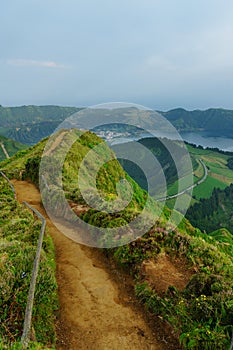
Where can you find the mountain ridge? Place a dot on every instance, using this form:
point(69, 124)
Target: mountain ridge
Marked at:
point(211, 120)
point(29, 124)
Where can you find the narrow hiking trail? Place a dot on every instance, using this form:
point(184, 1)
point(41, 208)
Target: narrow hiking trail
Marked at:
point(96, 312)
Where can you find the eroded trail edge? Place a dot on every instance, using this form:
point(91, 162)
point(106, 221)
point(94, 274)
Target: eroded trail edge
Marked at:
point(93, 311)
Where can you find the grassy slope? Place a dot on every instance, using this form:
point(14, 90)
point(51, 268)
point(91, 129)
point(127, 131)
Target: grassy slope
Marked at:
point(11, 147)
point(214, 212)
point(18, 241)
point(202, 313)
point(219, 175)
point(225, 238)
point(24, 115)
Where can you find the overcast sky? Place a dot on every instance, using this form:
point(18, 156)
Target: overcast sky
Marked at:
point(161, 54)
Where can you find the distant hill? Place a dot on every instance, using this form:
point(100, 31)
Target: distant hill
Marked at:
point(29, 124)
point(217, 121)
point(9, 147)
point(160, 147)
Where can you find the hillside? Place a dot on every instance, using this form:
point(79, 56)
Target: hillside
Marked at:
point(216, 121)
point(96, 306)
point(29, 124)
point(160, 148)
point(218, 164)
point(18, 242)
point(9, 147)
point(214, 212)
point(26, 165)
point(180, 274)
point(219, 174)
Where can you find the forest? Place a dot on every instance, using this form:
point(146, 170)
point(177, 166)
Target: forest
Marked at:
point(213, 213)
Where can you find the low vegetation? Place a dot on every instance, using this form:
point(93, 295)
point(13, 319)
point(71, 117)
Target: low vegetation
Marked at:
point(11, 147)
point(201, 312)
point(18, 241)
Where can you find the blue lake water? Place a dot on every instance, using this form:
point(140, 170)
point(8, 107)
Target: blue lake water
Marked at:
point(201, 138)
point(205, 140)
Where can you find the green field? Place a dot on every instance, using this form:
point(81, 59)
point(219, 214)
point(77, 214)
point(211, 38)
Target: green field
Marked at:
point(219, 175)
point(205, 189)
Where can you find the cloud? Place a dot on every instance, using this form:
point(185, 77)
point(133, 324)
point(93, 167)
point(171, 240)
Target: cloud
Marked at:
point(36, 63)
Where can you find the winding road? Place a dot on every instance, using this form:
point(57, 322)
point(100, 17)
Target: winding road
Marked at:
point(190, 187)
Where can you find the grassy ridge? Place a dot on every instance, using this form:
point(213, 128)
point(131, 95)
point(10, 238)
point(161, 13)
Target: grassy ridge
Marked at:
point(18, 240)
point(109, 174)
point(202, 312)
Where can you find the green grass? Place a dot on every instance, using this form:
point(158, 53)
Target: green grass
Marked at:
point(182, 204)
point(4, 345)
point(201, 313)
point(197, 151)
point(18, 242)
point(184, 183)
point(26, 165)
point(220, 170)
point(15, 166)
point(220, 176)
point(11, 147)
point(224, 239)
point(205, 189)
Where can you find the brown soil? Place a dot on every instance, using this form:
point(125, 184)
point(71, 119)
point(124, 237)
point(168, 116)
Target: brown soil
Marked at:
point(165, 272)
point(98, 310)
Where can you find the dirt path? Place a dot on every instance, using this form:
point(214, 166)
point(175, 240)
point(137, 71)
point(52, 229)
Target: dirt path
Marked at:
point(55, 142)
point(95, 313)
